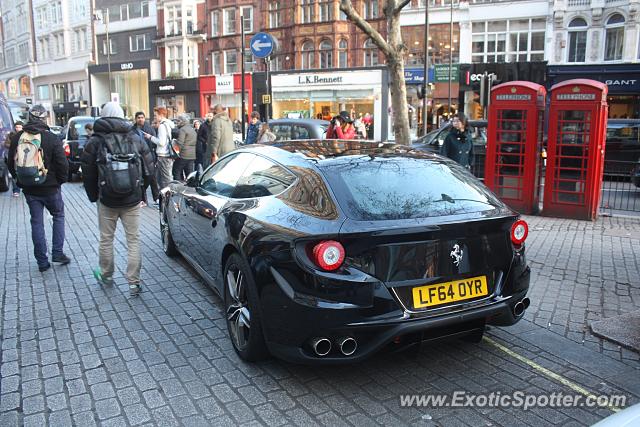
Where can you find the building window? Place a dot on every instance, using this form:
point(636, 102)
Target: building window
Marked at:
point(174, 21)
point(191, 27)
point(215, 63)
point(247, 18)
point(230, 61)
point(614, 42)
point(370, 54)
point(124, 12)
point(229, 21)
point(507, 41)
point(371, 9)
point(274, 14)
point(41, 17)
point(249, 60)
point(276, 63)
point(56, 12)
point(174, 61)
point(112, 44)
point(79, 40)
point(307, 55)
point(215, 23)
point(306, 11)
point(577, 40)
point(23, 52)
point(325, 8)
point(342, 53)
point(326, 54)
point(59, 47)
point(139, 42)
point(43, 92)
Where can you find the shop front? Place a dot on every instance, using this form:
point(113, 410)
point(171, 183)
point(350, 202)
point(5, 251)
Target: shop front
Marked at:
point(226, 90)
point(473, 92)
point(124, 82)
point(178, 96)
point(623, 81)
point(324, 94)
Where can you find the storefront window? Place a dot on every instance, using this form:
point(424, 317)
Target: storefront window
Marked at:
point(25, 86)
point(43, 92)
point(77, 90)
point(232, 101)
point(175, 104)
point(615, 38)
point(133, 88)
point(59, 93)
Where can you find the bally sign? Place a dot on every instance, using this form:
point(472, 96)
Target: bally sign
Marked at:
point(224, 84)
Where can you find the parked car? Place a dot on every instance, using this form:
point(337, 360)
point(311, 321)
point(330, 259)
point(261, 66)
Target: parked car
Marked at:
point(6, 126)
point(19, 111)
point(293, 129)
point(74, 138)
point(622, 148)
point(333, 251)
point(635, 174)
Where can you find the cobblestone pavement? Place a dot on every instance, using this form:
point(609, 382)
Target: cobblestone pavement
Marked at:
point(75, 353)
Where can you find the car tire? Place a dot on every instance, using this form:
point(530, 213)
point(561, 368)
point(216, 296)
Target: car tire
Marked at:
point(244, 322)
point(4, 182)
point(475, 336)
point(168, 245)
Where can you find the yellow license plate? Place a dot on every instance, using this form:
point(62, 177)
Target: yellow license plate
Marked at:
point(448, 292)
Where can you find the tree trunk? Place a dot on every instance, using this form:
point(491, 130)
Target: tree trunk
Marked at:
point(396, 77)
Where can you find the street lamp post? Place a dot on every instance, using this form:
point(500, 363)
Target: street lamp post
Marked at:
point(108, 51)
point(425, 101)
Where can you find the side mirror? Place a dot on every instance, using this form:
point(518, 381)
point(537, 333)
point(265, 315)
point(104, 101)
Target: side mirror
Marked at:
point(193, 179)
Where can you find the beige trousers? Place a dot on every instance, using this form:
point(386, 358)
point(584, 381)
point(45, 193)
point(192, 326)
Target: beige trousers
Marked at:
point(107, 222)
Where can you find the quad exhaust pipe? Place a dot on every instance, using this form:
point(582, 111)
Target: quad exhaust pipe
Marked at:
point(321, 346)
point(521, 306)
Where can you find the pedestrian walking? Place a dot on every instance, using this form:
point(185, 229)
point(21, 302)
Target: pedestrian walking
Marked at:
point(253, 129)
point(220, 139)
point(37, 161)
point(203, 135)
point(17, 128)
point(187, 140)
point(164, 163)
point(116, 166)
point(265, 136)
point(88, 129)
point(341, 127)
point(458, 144)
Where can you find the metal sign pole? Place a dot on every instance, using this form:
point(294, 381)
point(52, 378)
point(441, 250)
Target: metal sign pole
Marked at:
point(425, 97)
point(242, 111)
point(267, 63)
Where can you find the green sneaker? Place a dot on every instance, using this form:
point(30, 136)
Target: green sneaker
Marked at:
point(103, 281)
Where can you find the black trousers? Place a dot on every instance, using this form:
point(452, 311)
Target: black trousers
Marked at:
point(182, 168)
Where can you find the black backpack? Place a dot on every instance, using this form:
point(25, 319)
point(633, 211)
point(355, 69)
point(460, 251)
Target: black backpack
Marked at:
point(120, 177)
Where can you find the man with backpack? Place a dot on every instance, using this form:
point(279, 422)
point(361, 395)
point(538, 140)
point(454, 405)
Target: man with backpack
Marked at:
point(116, 166)
point(37, 161)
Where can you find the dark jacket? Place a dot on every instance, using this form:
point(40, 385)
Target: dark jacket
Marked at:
point(201, 146)
point(54, 160)
point(252, 133)
point(146, 128)
point(89, 158)
point(458, 146)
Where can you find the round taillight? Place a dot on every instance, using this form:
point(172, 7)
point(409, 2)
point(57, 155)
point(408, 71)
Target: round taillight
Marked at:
point(519, 232)
point(67, 149)
point(328, 255)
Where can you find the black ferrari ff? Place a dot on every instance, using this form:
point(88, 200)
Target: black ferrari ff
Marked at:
point(328, 251)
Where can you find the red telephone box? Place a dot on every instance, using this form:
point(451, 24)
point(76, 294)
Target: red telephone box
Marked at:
point(514, 144)
point(577, 134)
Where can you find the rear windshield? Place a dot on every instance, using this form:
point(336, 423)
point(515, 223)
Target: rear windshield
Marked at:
point(405, 188)
point(77, 130)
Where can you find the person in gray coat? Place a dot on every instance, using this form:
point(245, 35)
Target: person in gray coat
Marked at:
point(187, 139)
point(220, 140)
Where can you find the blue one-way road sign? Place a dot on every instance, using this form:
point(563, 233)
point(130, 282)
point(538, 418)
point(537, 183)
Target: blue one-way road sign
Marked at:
point(261, 45)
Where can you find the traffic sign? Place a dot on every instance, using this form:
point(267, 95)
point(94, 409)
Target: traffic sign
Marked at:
point(261, 45)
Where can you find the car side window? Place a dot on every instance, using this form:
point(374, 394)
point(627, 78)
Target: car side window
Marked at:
point(282, 132)
point(262, 178)
point(300, 132)
point(221, 178)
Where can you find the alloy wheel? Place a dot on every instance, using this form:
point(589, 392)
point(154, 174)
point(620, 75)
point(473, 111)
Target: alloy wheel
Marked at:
point(238, 314)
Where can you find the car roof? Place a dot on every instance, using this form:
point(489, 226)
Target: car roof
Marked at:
point(304, 152)
point(299, 121)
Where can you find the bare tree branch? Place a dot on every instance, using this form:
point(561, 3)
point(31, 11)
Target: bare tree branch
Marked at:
point(347, 7)
point(401, 6)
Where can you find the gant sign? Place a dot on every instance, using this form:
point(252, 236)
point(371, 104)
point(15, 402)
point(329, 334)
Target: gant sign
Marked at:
point(629, 82)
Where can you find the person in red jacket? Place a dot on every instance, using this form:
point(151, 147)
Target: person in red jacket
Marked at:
point(341, 127)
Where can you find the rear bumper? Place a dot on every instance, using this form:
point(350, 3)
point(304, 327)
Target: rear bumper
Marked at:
point(293, 321)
